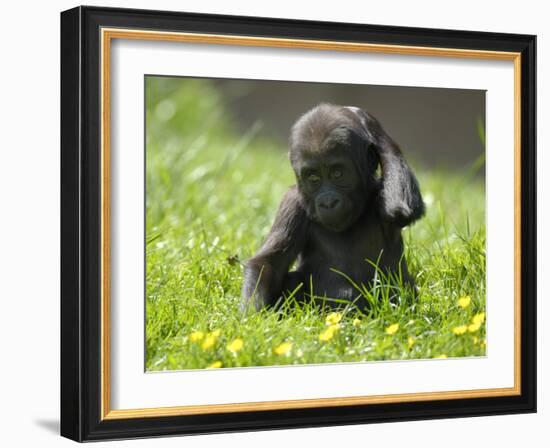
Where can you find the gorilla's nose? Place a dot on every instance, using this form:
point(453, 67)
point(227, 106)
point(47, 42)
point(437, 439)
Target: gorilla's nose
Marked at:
point(329, 203)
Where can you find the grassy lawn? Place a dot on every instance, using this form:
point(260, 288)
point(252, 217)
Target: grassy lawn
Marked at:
point(211, 197)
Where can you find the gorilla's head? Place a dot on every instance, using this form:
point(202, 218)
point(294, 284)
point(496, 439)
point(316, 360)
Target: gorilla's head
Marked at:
point(334, 158)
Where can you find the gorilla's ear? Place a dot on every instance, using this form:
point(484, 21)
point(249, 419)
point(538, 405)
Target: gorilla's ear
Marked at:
point(400, 198)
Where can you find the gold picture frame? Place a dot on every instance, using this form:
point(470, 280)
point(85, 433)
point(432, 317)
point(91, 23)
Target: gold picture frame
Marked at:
point(119, 25)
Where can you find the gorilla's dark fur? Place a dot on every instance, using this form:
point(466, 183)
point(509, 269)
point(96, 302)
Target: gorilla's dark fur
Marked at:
point(340, 214)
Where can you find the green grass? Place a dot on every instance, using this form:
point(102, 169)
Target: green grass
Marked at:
point(211, 198)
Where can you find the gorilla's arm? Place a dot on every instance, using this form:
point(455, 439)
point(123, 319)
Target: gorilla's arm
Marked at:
point(264, 274)
point(400, 199)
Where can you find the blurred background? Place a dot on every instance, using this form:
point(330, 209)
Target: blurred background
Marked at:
point(434, 126)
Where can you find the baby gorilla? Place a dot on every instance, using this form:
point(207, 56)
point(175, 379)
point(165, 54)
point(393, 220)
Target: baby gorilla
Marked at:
point(340, 215)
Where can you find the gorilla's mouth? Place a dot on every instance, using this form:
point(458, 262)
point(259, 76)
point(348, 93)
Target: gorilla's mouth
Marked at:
point(335, 222)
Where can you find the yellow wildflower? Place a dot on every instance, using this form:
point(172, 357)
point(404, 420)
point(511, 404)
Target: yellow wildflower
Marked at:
point(196, 336)
point(356, 322)
point(476, 340)
point(215, 365)
point(460, 329)
point(464, 302)
point(392, 329)
point(410, 342)
point(472, 328)
point(210, 339)
point(333, 318)
point(483, 343)
point(235, 345)
point(209, 342)
point(328, 334)
point(443, 356)
point(478, 318)
point(283, 349)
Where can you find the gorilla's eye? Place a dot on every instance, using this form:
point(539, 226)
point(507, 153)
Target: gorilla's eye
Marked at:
point(313, 178)
point(337, 174)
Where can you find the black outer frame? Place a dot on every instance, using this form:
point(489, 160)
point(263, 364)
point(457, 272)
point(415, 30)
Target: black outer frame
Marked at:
point(80, 223)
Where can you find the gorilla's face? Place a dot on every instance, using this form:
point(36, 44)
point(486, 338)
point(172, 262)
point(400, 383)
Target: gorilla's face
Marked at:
point(331, 187)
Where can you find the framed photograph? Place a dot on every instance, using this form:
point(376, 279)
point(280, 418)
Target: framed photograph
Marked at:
point(276, 224)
